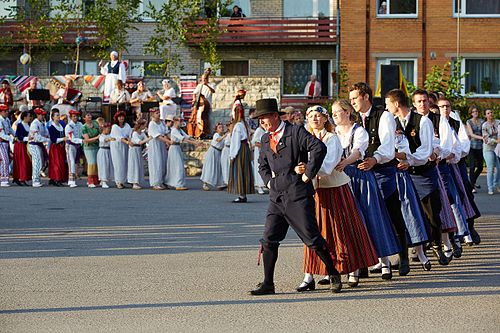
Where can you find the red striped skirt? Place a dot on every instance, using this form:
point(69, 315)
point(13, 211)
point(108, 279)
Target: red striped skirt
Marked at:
point(21, 169)
point(341, 225)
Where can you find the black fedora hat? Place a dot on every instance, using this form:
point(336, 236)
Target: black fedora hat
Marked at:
point(266, 106)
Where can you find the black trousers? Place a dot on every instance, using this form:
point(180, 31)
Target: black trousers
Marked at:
point(300, 215)
point(432, 208)
point(476, 161)
point(393, 205)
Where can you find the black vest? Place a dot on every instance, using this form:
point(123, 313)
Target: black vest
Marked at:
point(434, 118)
point(115, 69)
point(412, 133)
point(454, 124)
point(371, 126)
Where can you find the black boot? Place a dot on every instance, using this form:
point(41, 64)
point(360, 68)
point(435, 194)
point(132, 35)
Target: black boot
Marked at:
point(473, 232)
point(269, 258)
point(404, 263)
point(335, 281)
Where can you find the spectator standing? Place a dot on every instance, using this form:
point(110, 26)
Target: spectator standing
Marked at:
point(474, 130)
point(490, 137)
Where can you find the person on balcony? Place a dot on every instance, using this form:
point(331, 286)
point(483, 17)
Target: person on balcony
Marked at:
point(114, 70)
point(237, 12)
point(313, 88)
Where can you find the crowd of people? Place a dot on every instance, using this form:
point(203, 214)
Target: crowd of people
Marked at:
point(386, 182)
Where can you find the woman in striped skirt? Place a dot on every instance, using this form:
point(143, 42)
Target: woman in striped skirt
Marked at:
point(241, 180)
point(337, 213)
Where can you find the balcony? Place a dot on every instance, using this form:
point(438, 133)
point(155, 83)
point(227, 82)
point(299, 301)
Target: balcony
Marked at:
point(272, 31)
point(13, 32)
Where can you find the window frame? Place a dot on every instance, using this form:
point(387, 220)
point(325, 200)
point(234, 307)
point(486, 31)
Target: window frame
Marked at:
point(314, 72)
point(72, 64)
point(463, 14)
point(387, 61)
point(142, 68)
point(315, 10)
point(142, 9)
point(219, 72)
point(378, 2)
point(462, 71)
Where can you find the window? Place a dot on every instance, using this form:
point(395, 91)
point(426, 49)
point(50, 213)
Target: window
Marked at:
point(58, 7)
point(484, 76)
point(140, 68)
point(8, 67)
point(243, 4)
point(234, 68)
point(307, 8)
point(296, 74)
point(476, 7)
point(408, 67)
point(64, 67)
point(7, 9)
point(144, 7)
point(397, 8)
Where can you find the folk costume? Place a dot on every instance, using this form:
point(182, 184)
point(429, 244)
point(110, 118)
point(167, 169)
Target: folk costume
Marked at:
point(6, 137)
point(337, 213)
point(73, 132)
point(90, 150)
point(176, 174)
point(241, 180)
point(114, 70)
point(38, 136)
point(257, 137)
point(211, 172)
point(21, 171)
point(225, 162)
point(104, 162)
point(157, 153)
point(58, 165)
point(119, 151)
point(291, 199)
point(135, 168)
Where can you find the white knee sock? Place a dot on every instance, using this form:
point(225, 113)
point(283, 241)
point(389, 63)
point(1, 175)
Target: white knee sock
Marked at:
point(446, 241)
point(308, 277)
point(419, 249)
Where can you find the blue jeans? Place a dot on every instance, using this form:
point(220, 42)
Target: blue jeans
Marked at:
point(492, 162)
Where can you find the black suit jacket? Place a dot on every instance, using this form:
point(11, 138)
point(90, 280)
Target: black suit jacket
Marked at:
point(295, 146)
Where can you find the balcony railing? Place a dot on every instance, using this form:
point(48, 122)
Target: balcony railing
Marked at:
point(272, 30)
point(15, 33)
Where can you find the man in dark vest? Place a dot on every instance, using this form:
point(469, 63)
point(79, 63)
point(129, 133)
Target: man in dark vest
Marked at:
point(379, 157)
point(421, 164)
point(283, 147)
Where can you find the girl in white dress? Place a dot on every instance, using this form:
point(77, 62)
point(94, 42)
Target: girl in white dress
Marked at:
point(176, 174)
point(256, 138)
point(211, 174)
point(135, 169)
point(157, 151)
point(167, 105)
point(104, 163)
point(224, 158)
point(121, 132)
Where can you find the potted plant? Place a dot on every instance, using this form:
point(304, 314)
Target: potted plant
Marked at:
point(486, 85)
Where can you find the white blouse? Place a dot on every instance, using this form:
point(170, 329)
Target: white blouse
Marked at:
point(239, 134)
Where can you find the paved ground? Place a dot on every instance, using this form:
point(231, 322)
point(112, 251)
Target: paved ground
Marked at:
point(126, 261)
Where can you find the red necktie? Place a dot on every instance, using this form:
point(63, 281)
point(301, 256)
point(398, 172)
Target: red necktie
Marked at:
point(273, 142)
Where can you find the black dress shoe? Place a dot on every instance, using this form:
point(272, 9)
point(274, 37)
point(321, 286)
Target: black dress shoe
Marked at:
point(335, 283)
point(404, 267)
point(324, 281)
point(240, 200)
point(24, 183)
point(475, 236)
point(305, 286)
point(377, 270)
point(53, 183)
point(17, 182)
point(353, 280)
point(427, 265)
point(263, 289)
point(438, 253)
point(457, 250)
point(363, 273)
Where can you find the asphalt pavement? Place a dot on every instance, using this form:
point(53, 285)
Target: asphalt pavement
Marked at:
point(96, 260)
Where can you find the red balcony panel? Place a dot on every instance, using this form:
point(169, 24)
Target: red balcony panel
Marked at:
point(272, 30)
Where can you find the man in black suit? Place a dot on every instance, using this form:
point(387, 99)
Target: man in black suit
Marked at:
point(283, 147)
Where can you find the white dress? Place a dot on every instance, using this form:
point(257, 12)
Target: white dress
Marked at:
point(104, 163)
point(212, 170)
point(157, 153)
point(119, 152)
point(176, 175)
point(110, 81)
point(257, 136)
point(135, 169)
point(224, 159)
point(168, 107)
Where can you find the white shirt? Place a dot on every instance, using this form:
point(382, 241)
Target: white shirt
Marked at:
point(38, 132)
point(327, 175)
point(462, 135)
point(177, 135)
point(102, 140)
point(157, 129)
point(137, 137)
point(217, 144)
point(74, 132)
point(239, 134)
point(359, 142)
point(119, 133)
point(122, 72)
point(426, 133)
point(386, 129)
point(170, 92)
point(205, 91)
point(317, 89)
point(120, 96)
point(6, 132)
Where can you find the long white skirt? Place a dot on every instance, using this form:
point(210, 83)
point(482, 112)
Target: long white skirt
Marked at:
point(176, 175)
point(157, 162)
point(135, 169)
point(119, 156)
point(168, 109)
point(224, 162)
point(104, 165)
point(256, 176)
point(212, 170)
